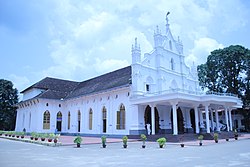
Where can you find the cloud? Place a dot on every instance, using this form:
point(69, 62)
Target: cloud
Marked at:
point(89, 39)
point(202, 48)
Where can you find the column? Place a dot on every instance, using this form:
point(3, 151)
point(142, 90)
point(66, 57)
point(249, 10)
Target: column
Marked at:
point(196, 114)
point(207, 118)
point(175, 130)
point(153, 119)
point(201, 119)
point(217, 120)
point(226, 116)
point(212, 120)
point(230, 120)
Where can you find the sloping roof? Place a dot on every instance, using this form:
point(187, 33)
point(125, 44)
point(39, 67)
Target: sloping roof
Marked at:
point(54, 84)
point(118, 78)
point(58, 88)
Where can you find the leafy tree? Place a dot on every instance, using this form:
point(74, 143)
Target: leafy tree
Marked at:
point(8, 99)
point(228, 71)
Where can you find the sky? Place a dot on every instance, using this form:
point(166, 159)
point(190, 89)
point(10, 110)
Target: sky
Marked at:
point(81, 39)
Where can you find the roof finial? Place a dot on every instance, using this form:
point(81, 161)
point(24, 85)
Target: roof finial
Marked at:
point(167, 16)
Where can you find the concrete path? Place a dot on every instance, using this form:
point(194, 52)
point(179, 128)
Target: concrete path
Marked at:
point(21, 154)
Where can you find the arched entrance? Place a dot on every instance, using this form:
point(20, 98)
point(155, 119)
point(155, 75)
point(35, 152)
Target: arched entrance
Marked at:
point(59, 121)
point(147, 119)
point(192, 117)
point(179, 121)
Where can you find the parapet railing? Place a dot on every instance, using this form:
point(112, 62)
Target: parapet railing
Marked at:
point(178, 90)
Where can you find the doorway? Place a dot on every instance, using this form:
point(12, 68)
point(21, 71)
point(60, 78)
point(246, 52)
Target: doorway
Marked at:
point(192, 117)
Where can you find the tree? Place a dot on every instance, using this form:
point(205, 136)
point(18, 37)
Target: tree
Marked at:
point(228, 71)
point(8, 99)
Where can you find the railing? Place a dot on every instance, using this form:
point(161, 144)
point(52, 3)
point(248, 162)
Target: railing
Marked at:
point(142, 93)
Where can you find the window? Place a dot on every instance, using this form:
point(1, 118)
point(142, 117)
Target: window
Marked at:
point(147, 87)
point(46, 120)
point(90, 119)
point(172, 64)
point(68, 120)
point(121, 118)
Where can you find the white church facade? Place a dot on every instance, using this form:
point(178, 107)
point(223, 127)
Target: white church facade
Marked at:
point(157, 90)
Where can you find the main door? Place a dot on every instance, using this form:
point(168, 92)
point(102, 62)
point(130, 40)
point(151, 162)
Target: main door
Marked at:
point(148, 120)
point(192, 117)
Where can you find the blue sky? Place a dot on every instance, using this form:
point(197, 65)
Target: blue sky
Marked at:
point(81, 39)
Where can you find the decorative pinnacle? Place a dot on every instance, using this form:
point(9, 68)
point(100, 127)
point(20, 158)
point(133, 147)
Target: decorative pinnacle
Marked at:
point(167, 16)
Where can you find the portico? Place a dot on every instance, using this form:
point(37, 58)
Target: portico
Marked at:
point(167, 107)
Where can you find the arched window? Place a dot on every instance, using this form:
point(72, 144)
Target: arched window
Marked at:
point(68, 120)
point(46, 120)
point(172, 64)
point(120, 118)
point(90, 119)
point(59, 121)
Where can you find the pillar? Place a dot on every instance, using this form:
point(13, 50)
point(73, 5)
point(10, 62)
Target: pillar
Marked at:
point(207, 118)
point(175, 130)
point(230, 120)
point(217, 120)
point(196, 114)
point(201, 119)
point(212, 120)
point(153, 119)
point(226, 116)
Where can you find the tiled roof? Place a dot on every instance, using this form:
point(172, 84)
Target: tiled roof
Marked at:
point(58, 88)
point(118, 78)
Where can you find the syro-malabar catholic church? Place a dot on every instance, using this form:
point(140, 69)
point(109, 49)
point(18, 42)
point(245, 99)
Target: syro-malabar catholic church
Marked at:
point(157, 93)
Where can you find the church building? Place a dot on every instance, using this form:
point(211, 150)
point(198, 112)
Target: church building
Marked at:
point(157, 94)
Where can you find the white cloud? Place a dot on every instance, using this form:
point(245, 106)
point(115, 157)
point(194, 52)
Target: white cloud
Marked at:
point(202, 48)
point(92, 38)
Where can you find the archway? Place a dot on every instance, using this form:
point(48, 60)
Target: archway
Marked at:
point(180, 120)
point(147, 119)
point(192, 117)
point(59, 121)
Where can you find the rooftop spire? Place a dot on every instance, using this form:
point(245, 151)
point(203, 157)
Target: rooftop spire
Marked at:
point(167, 24)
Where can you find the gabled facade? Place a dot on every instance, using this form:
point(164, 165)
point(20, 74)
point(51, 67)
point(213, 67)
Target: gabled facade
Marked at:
point(157, 94)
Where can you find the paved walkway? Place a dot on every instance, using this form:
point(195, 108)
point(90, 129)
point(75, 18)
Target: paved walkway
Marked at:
point(226, 154)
